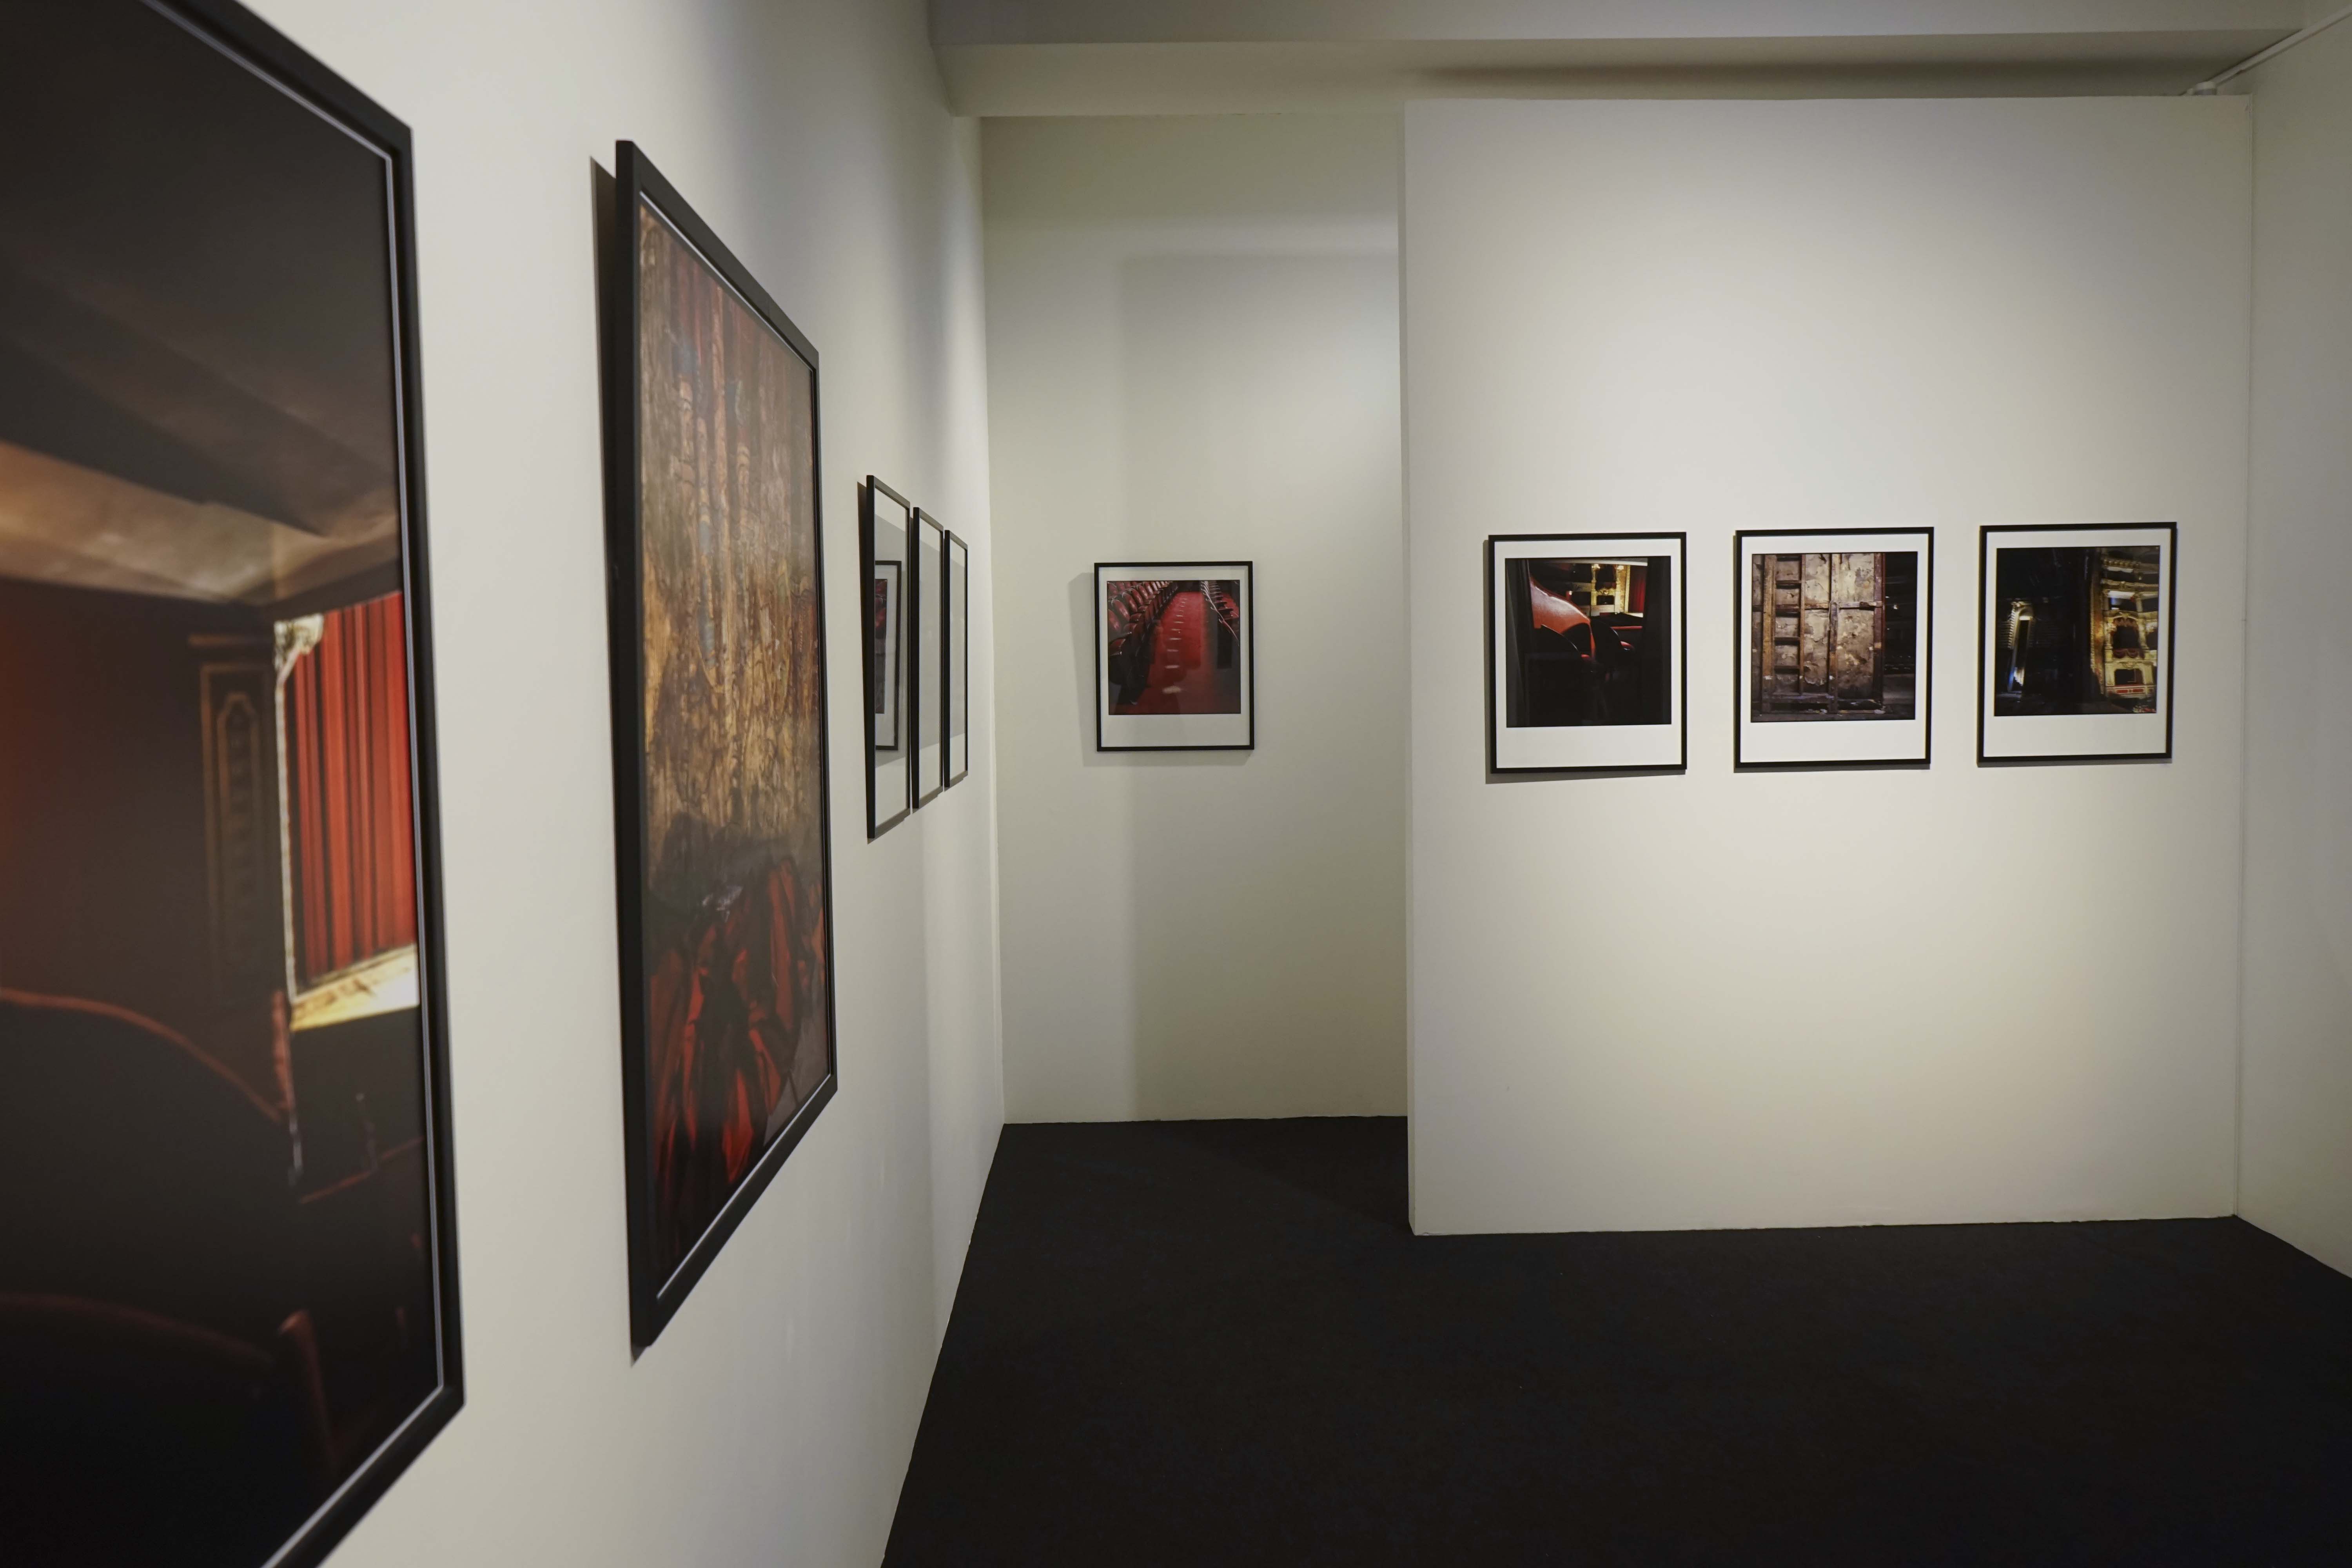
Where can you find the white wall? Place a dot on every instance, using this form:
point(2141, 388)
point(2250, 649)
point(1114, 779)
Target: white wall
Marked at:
point(1708, 1000)
point(2297, 1116)
point(771, 1422)
point(1192, 355)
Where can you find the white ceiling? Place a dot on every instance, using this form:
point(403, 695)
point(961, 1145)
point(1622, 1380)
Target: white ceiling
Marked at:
point(1177, 57)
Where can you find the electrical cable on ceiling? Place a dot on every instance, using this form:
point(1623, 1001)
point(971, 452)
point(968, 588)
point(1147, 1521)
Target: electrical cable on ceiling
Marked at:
point(2212, 84)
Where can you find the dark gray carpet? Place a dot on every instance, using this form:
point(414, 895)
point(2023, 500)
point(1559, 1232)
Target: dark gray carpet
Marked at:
point(1216, 1344)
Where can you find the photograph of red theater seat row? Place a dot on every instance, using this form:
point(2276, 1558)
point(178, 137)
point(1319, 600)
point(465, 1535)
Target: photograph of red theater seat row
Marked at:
point(1173, 646)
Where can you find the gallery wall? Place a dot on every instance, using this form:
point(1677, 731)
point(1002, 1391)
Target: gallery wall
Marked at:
point(2298, 896)
point(1709, 999)
point(1192, 355)
point(772, 1421)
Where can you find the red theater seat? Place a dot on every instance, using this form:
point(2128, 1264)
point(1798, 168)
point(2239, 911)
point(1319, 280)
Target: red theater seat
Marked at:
point(163, 1382)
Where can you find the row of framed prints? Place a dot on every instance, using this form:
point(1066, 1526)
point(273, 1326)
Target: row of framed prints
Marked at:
point(1833, 649)
point(918, 576)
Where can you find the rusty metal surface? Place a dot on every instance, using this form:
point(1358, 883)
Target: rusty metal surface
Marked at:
point(1820, 645)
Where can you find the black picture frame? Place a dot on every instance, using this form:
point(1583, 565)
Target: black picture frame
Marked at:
point(1926, 594)
point(929, 593)
point(2168, 621)
point(884, 812)
point(655, 1292)
point(956, 646)
point(243, 39)
point(1247, 631)
point(1678, 608)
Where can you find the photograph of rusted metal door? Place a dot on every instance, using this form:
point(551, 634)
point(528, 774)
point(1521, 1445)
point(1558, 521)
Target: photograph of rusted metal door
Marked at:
point(1823, 651)
point(1830, 636)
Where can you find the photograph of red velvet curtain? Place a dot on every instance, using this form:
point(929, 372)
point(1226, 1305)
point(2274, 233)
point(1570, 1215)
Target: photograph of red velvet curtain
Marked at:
point(348, 792)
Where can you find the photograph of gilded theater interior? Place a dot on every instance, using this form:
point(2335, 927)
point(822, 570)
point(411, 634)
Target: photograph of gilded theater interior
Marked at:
point(223, 1294)
point(2082, 630)
point(1834, 635)
point(1584, 646)
point(1173, 646)
point(718, 723)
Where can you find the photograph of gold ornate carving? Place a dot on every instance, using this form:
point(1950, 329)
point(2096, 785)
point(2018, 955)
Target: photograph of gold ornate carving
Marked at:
point(2078, 643)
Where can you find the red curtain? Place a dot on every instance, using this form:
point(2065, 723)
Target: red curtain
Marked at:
point(348, 788)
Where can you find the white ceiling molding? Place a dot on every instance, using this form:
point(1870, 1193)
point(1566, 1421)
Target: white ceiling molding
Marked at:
point(1179, 57)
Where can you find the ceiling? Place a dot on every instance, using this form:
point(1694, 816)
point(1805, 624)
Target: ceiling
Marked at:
point(196, 340)
point(1194, 56)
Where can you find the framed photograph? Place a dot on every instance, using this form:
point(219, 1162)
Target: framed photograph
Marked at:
point(2075, 643)
point(886, 529)
point(1175, 664)
point(959, 651)
point(886, 673)
point(1833, 648)
point(930, 658)
point(1585, 653)
point(228, 1297)
point(716, 575)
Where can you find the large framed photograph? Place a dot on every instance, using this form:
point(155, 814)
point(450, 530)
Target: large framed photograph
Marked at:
point(959, 652)
point(1833, 648)
point(885, 531)
point(1175, 662)
point(2075, 643)
point(930, 646)
point(1585, 653)
point(228, 1293)
point(716, 573)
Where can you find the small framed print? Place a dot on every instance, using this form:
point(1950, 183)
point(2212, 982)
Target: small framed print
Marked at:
point(1833, 648)
point(1175, 669)
point(2075, 643)
point(1585, 653)
point(888, 520)
point(959, 654)
point(928, 594)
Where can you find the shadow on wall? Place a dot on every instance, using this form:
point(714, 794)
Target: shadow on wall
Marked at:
point(1259, 421)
